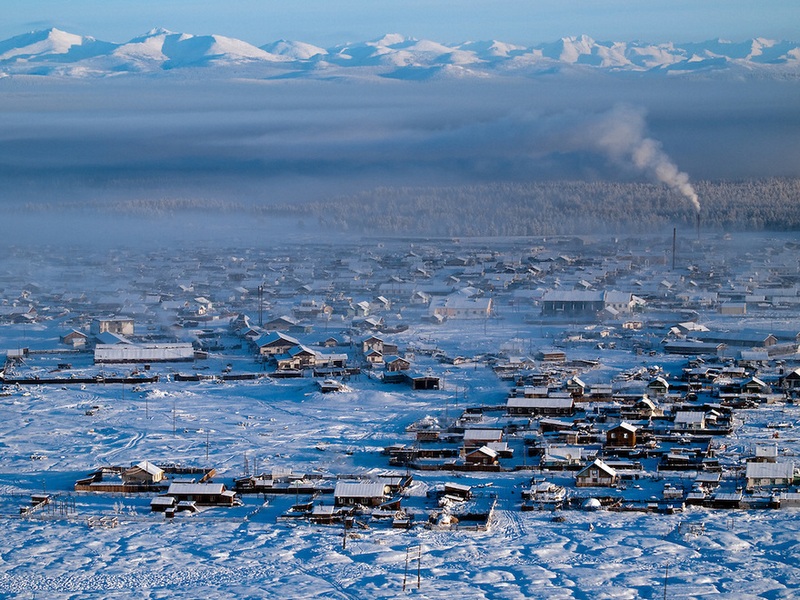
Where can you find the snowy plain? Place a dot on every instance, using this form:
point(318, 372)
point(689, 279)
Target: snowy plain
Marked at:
point(48, 441)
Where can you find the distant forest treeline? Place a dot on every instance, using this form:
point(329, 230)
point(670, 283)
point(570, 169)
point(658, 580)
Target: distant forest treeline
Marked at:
point(563, 207)
point(502, 209)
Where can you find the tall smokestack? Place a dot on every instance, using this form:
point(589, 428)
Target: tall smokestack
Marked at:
point(674, 235)
point(698, 225)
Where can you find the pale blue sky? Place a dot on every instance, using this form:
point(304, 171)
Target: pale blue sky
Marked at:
point(327, 22)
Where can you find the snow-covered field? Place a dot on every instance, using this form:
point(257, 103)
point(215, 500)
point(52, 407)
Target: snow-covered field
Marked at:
point(247, 552)
point(48, 441)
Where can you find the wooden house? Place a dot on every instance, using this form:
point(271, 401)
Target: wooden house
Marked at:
point(686, 420)
point(365, 493)
point(483, 456)
point(791, 382)
point(143, 473)
point(658, 387)
point(298, 357)
point(561, 456)
point(622, 436)
point(754, 386)
point(75, 338)
point(576, 387)
point(766, 453)
point(274, 343)
point(769, 474)
point(475, 438)
point(550, 406)
point(396, 363)
point(458, 491)
point(374, 343)
point(644, 408)
point(200, 494)
point(282, 323)
point(596, 474)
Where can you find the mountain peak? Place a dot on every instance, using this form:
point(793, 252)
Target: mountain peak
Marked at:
point(158, 31)
point(53, 51)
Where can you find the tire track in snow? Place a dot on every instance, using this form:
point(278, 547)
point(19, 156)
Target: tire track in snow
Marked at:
point(128, 445)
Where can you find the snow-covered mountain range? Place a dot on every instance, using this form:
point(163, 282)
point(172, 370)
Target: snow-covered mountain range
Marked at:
point(59, 53)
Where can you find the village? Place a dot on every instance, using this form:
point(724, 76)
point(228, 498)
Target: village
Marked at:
point(458, 378)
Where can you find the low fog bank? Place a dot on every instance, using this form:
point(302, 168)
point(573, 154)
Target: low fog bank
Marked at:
point(220, 147)
point(62, 228)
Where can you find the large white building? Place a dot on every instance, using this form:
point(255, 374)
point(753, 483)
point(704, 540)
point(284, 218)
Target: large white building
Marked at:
point(142, 353)
point(458, 306)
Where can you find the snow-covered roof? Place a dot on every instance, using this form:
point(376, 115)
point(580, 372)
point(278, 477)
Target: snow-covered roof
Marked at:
point(195, 489)
point(359, 489)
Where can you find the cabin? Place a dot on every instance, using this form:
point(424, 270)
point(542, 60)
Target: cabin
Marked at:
point(658, 387)
point(143, 473)
point(550, 406)
point(769, 474)
point(298, 357)
point(364, 493)
point(283, 323)
point(791, 382)
point(376, 344)
point(576, 387)
point(475, 438)
point(596, 474)
point(75, 338)
point(483, 456)
point(395, 364)
point(622, 436)
point(186, 495)
point(686, 420)
point(274, 343)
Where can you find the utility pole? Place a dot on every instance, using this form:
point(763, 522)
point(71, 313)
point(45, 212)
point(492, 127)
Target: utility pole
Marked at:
point(405, 574)
point(419, 566)
point(260, 305)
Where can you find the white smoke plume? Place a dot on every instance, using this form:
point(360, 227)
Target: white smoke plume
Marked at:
point(620, 133)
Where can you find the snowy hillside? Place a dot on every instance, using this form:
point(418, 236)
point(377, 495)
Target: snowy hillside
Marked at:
point(55, 52)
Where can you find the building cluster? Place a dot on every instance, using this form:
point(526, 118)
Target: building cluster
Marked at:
point(585, 321)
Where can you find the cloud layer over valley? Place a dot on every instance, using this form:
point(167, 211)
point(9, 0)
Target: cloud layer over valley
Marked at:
point(205, 136)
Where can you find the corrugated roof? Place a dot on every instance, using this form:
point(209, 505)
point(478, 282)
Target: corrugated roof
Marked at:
point(359, 489)
point(195, 489)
